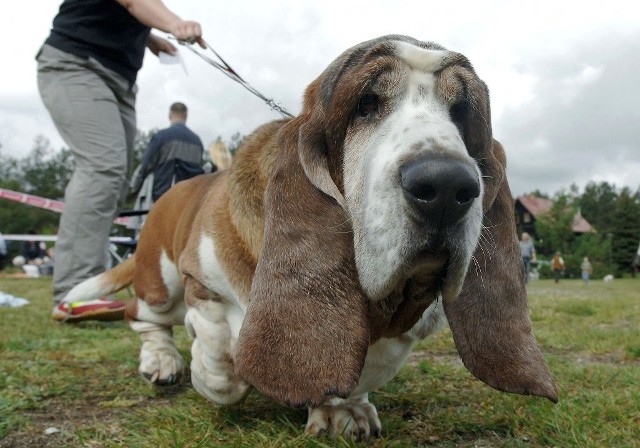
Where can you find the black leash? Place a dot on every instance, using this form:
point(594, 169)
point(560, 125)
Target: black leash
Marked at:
point(231, 73)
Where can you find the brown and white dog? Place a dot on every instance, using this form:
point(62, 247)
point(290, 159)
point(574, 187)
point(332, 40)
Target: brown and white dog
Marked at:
point(338, 239)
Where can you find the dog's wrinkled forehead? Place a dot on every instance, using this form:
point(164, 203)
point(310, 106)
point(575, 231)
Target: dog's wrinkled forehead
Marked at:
point(386, 67)
point(422, 56)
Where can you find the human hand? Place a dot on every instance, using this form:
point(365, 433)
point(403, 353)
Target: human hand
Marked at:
point(188, 31)
point(157, 44)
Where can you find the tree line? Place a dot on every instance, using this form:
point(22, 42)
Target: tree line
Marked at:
point(615, 215)
point(613, 212)
point(45, 171)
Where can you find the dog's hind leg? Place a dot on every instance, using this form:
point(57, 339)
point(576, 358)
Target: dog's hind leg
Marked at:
point(159, 306)
point(213, 323)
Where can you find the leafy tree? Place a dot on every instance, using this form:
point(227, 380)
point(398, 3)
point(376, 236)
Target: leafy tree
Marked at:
point(625, 230)
point(616, 217)
point(554, 228)
point(597, 204)
point(538, 194)
point(597, 247)
point(9, 173)
point(46, 172)
point(43, 173)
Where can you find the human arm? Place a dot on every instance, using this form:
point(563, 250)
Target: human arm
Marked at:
point(155, 14)
point(147, 164)
point(136, 181)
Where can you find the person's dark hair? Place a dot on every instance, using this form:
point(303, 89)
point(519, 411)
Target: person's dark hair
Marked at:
point(178, 108)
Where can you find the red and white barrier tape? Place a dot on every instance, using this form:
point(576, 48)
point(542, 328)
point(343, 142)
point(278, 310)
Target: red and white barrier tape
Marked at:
point(40, 202)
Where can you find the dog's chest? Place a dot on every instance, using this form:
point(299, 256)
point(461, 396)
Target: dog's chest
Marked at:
point(212, 274)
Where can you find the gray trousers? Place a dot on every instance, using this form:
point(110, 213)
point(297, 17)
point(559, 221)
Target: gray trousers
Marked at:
point(93, 109)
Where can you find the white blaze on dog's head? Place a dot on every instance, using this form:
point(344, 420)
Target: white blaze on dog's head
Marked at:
point(421, 59)
point(413, 122)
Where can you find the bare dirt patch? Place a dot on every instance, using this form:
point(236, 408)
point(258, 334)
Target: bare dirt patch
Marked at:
point(69, 417)
point(65, 417)
point(418, 356)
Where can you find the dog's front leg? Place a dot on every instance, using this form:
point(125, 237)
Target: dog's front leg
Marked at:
point(210, 322)
point(354, 418)
point(160, 362)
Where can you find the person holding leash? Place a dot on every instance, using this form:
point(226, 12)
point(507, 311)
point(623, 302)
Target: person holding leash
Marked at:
point(87, 71)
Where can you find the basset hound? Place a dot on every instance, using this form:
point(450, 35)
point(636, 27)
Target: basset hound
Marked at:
point(335, 241)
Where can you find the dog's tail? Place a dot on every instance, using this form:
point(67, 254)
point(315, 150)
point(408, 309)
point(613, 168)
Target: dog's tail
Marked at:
point(108, 282)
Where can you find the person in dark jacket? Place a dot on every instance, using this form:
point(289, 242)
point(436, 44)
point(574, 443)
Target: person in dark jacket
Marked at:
point(87, 70)
point(174, 154)
point(32, 250)
point(4, 253)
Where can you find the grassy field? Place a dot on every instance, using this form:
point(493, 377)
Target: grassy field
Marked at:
point(83, 381)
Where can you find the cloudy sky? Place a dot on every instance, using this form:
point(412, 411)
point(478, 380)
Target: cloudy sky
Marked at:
point(563, 75)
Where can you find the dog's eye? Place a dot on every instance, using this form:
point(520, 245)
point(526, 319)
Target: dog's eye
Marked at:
point(368, 105)
point(459, 114)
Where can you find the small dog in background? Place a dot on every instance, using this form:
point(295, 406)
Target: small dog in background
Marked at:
point(608, 278)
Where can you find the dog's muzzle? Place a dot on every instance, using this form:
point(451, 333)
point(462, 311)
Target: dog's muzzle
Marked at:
point(441, 189)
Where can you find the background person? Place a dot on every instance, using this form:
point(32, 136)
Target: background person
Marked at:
point(3, 252)
point(586, 269)
point(173, 154)
point(528, 252)
point(33, 251)
point(87, 71)
point(557, 266)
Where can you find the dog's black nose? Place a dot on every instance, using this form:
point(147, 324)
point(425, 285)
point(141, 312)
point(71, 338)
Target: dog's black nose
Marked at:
point(441, 188)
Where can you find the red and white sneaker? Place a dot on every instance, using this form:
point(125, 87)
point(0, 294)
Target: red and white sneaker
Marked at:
point(99, 309)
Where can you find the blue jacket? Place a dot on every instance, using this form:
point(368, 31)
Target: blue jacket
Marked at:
point(174, 154)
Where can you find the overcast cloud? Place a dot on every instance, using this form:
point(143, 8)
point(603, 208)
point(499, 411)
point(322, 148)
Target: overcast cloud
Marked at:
point(563, 76)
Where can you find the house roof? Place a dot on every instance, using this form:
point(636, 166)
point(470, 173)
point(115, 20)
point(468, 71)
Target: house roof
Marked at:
point(534, 205)
point(538, 206)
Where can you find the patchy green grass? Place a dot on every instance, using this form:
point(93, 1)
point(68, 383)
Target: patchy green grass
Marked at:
point(83, 380)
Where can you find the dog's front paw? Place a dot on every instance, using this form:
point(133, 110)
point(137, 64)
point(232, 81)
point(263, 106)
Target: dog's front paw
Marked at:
point(214, 379)
point(212, 369)
point(160, 362)
point(355, 419)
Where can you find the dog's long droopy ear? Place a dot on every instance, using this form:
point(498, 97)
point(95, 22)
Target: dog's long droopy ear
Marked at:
point(490, 319)
point(305, 335)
